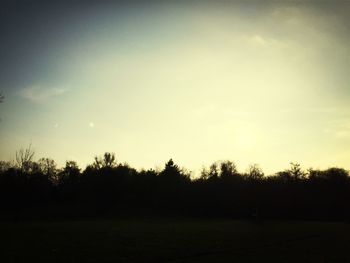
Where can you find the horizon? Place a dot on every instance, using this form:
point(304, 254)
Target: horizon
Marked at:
point(193, 174)
point(246, 81)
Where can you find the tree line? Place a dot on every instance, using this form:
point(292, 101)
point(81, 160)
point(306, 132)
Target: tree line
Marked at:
point(38, 189)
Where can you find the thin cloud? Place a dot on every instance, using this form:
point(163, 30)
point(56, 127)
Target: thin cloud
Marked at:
point(39, 94)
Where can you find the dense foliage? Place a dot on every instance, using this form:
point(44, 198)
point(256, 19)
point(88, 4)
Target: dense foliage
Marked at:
point(107, 188)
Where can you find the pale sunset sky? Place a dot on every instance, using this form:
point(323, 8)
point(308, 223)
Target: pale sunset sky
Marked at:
point(264, 82)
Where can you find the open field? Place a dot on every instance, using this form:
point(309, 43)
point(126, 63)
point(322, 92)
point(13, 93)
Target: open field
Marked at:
point(174, 240)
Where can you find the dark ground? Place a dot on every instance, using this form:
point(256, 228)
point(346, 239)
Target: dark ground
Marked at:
point(174, 240)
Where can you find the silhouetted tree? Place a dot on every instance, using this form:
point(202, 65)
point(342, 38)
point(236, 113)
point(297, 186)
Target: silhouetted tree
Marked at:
point(254, 172)
point(24, 158)
point(296, 172)
point(211, 174)
point(4, 166)
point(172, 172)
point(228, 170)
point(69, 180)
point(48, 168)
point(171, 169)
point(107, 161)
point(331, 174)
point(110, 187)
point(71, 169)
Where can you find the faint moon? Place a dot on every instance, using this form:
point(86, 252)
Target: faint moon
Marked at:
point(91, 124)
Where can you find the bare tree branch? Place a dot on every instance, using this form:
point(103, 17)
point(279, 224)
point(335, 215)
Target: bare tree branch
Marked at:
point(24, 158)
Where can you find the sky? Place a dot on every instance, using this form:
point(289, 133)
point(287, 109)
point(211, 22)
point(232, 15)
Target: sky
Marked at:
point(264, 82)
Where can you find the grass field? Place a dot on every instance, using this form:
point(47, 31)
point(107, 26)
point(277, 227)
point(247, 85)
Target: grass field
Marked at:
point(174, 240)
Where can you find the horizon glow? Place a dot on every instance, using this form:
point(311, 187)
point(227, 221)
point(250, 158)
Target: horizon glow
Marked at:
point(250, 82)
